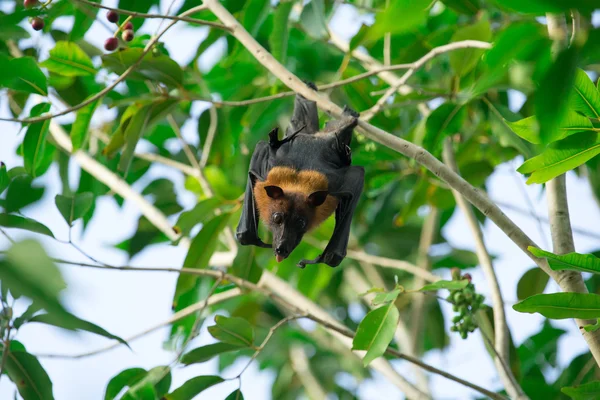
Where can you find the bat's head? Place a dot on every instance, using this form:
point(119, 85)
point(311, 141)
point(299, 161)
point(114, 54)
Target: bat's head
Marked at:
point(289, 215)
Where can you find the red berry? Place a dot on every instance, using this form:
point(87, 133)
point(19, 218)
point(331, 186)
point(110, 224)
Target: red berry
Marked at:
point(30, 3)
point(467, 277)
point(37, 23)
point(128, 26)
point(127, 35)
point(112, 16)
point(111, 43)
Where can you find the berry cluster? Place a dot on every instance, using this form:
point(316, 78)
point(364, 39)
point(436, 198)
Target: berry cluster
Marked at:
point(127, 34)
point(465, 302)
point(36, 23)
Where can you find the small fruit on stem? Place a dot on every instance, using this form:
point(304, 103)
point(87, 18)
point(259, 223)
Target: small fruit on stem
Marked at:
point(128, 25)
point(37, 23)
point(112, 16)
point(127, 35)
point(111, 44)
point(31, 3)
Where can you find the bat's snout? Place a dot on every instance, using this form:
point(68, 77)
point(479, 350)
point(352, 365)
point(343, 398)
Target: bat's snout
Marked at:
point(281, 253)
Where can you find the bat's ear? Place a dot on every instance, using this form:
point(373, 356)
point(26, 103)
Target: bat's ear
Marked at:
point(274, 192)
point(317, 198)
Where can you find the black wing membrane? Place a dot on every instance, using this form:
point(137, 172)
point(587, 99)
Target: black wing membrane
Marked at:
point(348, 194)
point(260, 165)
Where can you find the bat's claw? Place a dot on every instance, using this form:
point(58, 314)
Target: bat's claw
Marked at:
point(310, 85)
point(303, 263)
point(350, 112)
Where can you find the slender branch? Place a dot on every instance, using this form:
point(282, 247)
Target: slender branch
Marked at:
point(558, 207)
point(301, 366)
point(367, 115)
point(501, 333)
point(158, 16)
point(420, 155)
point(110, 87)
point(428, 232)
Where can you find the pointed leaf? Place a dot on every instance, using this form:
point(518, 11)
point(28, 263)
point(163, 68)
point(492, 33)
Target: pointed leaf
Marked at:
point(562, 156)
point(201, 212)
point(79, 130)
point(201, 249)
point(123, 379)
point(245, 266)
point(67, 58)
point(376, 331)
point(585, 98)
point(27, 373)
point(28, 224)
point(529, 128)
point(450, 285)
point(24, 75)
point(533, 282)
point(445, 120)
point(205, 353)
point(463, 61)
point(74, 206)
point(34, 143)
point(190, 389)
point(78, 324)
point(237, 395)
point(588, 391)
point(159, 67)
point(235, 331)
point(386, 297)
point(278, 39)
point(151, 386)
point(562, 305)
point(570, 261)
point(21, 193)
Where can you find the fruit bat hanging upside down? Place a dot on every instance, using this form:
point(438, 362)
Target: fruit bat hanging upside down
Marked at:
point(296, 183)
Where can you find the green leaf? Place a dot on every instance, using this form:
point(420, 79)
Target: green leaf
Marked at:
point(529, 128)
point(34, 143)
point(236, 395)
point(4, 178)
point(386, 297)
point(24, 75)
point(552, 96)
point(278, 39)
point(79, 130)
point(445, 120)
point(540, 7)
point(245, 266)
point(592, 327)
point(201, 212)
point(74, 206)
point(562, 305)
point(27, 373)
point(375, 332)
point(159, 67)
point(21, 193)
point(78, 324)
point(533, 282)
point(83, 20)
point(313, 19)
point(570, 261)
point(28, 224)
point(205, 353)
point(588, 391)
point(450, 285)
point(585, 98)
point(123, 379)
point(152, 385)
point(193, 387)
point(235, 331)
point(413, 12)
point(132, 135)
point(560, 157)
point(463, 61)
point(469, 7)
point(27, 270)
point(67, 58)
point(201, 249)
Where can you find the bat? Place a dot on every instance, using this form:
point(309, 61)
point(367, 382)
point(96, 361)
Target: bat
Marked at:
point(296, 183)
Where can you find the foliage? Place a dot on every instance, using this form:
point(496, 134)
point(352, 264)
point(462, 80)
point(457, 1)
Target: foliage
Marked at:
point(51, 67)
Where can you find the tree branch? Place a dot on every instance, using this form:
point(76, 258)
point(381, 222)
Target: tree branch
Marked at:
point(301, 367)
point(501, 332)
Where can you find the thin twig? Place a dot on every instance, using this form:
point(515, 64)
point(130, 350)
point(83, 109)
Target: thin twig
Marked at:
point(501, 333)
point(159, 16)
point(366, 115)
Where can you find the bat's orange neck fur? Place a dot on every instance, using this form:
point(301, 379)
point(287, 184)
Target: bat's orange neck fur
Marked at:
point(300, 184)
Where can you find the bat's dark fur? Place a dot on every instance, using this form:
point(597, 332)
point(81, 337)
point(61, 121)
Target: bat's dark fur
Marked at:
point(297, 182)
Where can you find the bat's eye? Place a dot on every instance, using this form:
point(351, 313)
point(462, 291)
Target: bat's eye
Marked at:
point(277, 218)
